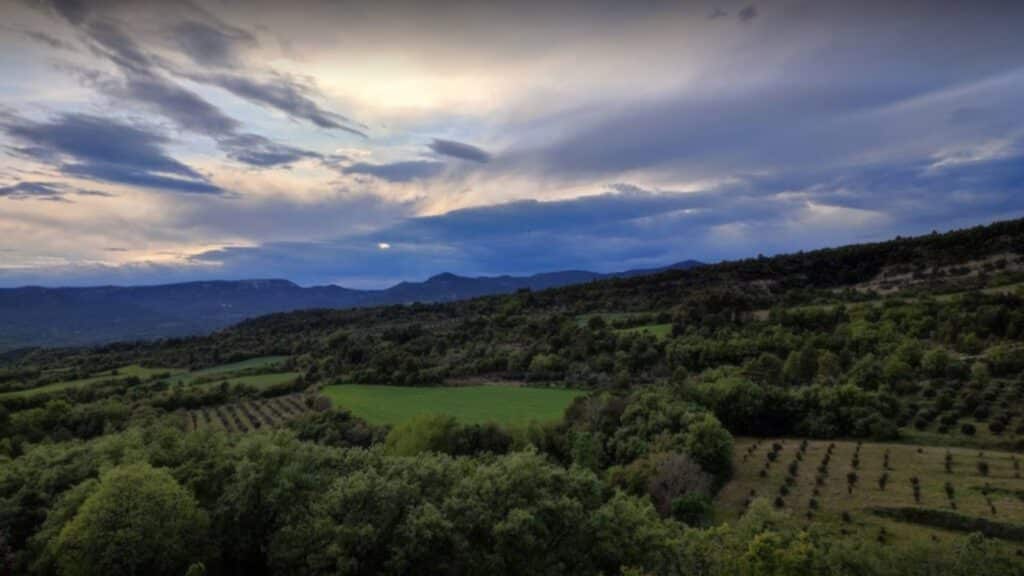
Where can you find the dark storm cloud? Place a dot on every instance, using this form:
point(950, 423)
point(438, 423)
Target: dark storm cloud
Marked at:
point(34, 190)
point(74, 11)
point(256, 150)
point(53, 191)
point(406, 171)
point(128, 175)
point(209, 45)
point(781, 130)
point(631, 226)
point(47, 39)
point(460, 150)
point(184, 107)
point(96, 140)
point(834, 84)
point(747, 14)
point(206, 45)
point(103, 149)
point(142, 84)
point(280, 93)
point(192, 113)
point(145, 81)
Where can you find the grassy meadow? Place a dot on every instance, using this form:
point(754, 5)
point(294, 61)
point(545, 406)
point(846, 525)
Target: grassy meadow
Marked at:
point(225, 371)
point(659, 331)
point(469, 404)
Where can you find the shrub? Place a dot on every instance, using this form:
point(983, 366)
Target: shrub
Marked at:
point(676, 476)
point(692, 509)
point(953, 521)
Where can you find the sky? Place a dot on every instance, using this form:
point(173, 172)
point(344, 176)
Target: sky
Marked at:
point(366, 143)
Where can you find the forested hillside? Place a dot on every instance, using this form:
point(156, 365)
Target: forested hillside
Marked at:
point(736, 418)
point(52, 317)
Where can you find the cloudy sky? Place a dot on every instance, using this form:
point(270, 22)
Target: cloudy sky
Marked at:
point(363, 143)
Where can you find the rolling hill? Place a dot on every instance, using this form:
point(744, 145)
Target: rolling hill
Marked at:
point(37, 316)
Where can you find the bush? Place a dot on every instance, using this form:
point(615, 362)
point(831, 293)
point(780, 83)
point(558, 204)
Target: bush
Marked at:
point(426, 433)
point(953, 521)
point(692, 509)
point(440, 433)
point(675, 476)
point(968, 429)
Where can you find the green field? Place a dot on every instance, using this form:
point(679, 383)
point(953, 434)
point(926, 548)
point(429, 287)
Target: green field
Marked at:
point(227, 370)
point(996, 497)
point(609, 317)
point(657, 330)
point(264, 380)
point(469, 404)
point(133, 370)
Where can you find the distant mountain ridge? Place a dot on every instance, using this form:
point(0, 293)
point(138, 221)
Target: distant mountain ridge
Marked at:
point(37, 316)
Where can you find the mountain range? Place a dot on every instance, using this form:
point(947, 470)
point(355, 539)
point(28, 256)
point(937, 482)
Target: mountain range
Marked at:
point(37, 316)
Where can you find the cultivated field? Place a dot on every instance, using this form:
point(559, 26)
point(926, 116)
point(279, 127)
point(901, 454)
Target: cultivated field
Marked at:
point(224, 371)
point(110, 375)
point(884, 489)
point(247, 415)
point(659, 331)
point(469, 404)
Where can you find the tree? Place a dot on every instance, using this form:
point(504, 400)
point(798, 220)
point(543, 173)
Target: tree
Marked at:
point(980, 374)
point(587, 450)
point(829, 367)
point(935, 362)
point(896, 370)
point(801, 366)
point(426, 433)
point(676, 475)
point(910, 351)
point(710, 444)
point(766, 369)
point(139, 520)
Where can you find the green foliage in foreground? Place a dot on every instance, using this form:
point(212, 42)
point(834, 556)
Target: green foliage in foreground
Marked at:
point(152, 500)
point(468, 404)
point(137, 520)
